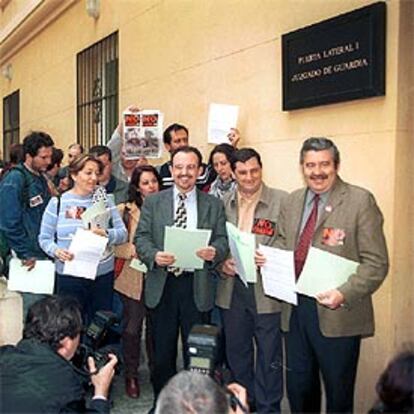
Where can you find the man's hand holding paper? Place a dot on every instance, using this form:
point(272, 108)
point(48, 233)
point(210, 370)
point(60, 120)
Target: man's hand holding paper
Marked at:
point(206, 253)
point(163, 259)
point(187, 258)
point(332, 299)
point(229, 267)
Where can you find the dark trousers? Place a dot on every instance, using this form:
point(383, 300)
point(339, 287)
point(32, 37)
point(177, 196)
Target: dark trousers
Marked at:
point(308, 353)
point(243, 326)
point(93, 295)
point(133, 316)
point(175, 312)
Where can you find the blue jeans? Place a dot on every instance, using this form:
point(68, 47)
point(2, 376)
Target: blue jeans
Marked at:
point(93, 295)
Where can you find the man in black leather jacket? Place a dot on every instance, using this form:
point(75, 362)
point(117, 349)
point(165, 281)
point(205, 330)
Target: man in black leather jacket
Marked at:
point(36, 375)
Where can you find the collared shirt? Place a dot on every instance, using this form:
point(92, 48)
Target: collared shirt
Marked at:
point(246, 207)
point(307, 208)
point(191, 206)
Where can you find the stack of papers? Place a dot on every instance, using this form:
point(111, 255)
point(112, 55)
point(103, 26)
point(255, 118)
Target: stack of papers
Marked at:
point(278, 274)
point(242, 247)
point(41, 279)
point(183, 244)
point(324, 271)
point(87, 248)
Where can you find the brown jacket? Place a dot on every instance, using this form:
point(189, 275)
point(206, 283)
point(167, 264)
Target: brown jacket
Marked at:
point(265, 228)
point(130, 281)
point(352, 211)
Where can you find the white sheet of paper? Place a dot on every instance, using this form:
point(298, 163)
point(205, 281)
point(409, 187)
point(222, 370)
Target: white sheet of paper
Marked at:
point(324, 271)
point(278, 274)
point(138, 265)
point(221, 118)
point(41, 279)
point(184, 243)
point(242, 247)
point(87, 249)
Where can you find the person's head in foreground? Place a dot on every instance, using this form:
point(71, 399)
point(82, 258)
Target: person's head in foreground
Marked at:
point(395, 387)
point(193, 393)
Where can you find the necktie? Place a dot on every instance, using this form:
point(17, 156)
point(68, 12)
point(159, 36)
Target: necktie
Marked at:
point(305, 238)
point(181, 212)
point(180, 220)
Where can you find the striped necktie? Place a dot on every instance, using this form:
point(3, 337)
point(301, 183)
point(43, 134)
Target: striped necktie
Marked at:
point(181, 212)
point(180, 220)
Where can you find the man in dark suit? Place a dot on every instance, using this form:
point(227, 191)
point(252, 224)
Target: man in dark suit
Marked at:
point(325, 332)
point(179, 298)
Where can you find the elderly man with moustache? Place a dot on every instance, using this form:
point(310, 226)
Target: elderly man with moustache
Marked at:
point(325, 331)
point(178, 298)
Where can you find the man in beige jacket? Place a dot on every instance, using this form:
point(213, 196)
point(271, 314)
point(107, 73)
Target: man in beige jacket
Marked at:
point(250, 317)
point(325, 331)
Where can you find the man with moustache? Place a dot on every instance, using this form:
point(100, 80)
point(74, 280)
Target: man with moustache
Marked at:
point(178, 298)
point(24, 195)
point(325, 332)
point(249, 316)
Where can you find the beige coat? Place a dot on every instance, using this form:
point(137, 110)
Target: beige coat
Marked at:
point(130, 281)
point(265, 229)
point(354, 212)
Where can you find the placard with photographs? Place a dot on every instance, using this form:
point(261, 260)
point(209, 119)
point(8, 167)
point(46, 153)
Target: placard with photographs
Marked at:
point(143, 134)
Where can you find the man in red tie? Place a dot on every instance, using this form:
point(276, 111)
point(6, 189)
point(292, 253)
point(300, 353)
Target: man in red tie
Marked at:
point(325, 331)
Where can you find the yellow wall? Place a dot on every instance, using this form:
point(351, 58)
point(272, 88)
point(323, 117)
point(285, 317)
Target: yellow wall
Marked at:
point(180, 55)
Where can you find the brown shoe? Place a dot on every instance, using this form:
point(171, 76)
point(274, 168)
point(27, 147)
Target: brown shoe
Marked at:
point(132, 387)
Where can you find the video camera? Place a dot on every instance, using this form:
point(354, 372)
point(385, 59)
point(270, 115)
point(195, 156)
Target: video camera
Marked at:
point(93, 342)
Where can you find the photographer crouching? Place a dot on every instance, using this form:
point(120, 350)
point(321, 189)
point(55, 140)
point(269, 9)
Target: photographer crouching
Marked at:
point(36, 375)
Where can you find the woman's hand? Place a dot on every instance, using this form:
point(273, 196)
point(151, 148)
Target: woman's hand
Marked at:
point(99, 231)
point(131, 251)
point(63, 255)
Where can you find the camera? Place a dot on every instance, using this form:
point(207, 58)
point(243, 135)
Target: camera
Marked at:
point(204, 348)
point(93, 342)
point(204, 343)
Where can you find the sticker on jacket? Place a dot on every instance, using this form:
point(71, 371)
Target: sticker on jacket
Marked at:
point(74, 212)
point(333, 237)
point(36, 201)
point(264, 227)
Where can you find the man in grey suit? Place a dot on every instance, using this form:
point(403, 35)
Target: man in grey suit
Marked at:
point(325, 332)
point(178, 298)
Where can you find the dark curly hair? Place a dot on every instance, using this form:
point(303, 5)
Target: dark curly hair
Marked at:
point(36, 140)
point(134, 195)
point(52, 319)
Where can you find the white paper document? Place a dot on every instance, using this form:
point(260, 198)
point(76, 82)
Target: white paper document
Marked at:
point(96, 216)
point(138, 265)
point(221, 118)
point(87, 249)
point(242, 247)
point(324, 271)
point(41, 279)
point(278, 274)
point(184, 243)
